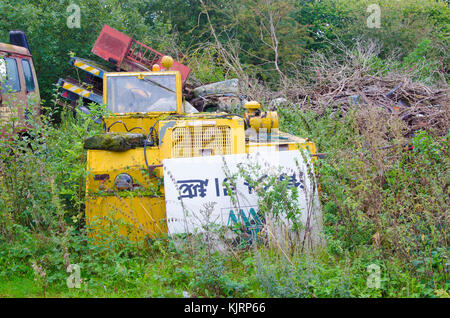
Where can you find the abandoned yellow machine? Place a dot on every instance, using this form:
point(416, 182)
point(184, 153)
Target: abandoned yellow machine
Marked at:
point(148, 125)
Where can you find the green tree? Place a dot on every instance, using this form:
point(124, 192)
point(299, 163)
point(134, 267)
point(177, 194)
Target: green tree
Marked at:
point(51, 40)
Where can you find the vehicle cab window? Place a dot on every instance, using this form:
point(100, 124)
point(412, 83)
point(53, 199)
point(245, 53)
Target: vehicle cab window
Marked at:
point(28, 74)
point(141, 94)
point(12, 81)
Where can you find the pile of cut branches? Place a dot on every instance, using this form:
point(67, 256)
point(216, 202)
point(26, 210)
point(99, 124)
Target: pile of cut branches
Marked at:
point(351, 82)
point(417, 104)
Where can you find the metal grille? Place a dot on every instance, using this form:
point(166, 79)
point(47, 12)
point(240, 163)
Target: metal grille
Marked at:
point(143, 54)
point(201, 141)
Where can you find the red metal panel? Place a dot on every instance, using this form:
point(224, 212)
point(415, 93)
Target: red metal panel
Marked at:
point(129, 54)
point(144, 55)
point(112, 45)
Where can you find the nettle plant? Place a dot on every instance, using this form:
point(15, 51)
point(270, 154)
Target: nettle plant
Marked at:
point(281, 217)
point(276, 197)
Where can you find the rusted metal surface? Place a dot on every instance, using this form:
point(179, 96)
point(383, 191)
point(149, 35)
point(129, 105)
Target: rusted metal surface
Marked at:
point(13, 49)
point(130, 55)
point(112, 45)
point(19, 101)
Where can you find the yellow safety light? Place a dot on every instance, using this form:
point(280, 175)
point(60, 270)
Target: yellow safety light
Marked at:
point(252, 105)
point(167, 61)
point(156, 68)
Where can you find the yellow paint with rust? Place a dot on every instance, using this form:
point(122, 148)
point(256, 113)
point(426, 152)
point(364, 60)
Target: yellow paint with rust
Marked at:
point(144, 207)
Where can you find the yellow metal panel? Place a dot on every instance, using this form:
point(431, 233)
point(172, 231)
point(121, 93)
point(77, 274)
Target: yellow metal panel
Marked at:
point(143, 211)
point(145, 216)
point(102, 160)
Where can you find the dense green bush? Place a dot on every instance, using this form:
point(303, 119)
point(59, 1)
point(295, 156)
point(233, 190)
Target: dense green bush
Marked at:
point(403, 24)
point(392, 199)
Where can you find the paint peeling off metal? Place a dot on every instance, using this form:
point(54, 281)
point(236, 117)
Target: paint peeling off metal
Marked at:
point(163, 129)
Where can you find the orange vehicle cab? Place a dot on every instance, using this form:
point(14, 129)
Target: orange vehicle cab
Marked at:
point(19, 90)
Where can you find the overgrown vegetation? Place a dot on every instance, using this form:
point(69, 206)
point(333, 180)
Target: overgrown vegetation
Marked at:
point(384, 183)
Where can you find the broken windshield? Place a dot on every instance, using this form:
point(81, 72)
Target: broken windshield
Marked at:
point(133, 94)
